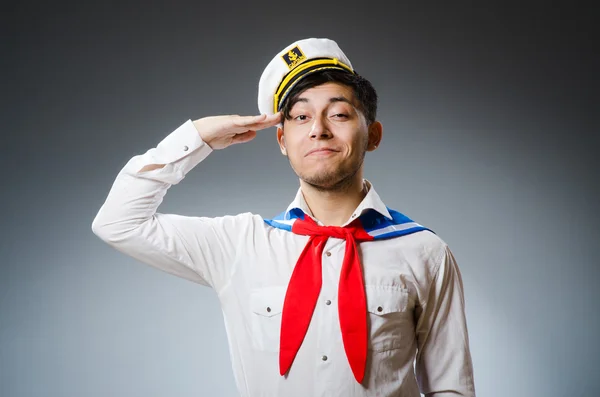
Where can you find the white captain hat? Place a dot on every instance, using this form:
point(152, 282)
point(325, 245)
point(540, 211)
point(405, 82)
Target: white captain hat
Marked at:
point(293, 63)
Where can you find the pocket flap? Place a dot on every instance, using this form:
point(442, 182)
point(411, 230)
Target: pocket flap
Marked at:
point(385, 299)
point(267, 301)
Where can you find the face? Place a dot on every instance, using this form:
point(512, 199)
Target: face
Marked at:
point(327, 136)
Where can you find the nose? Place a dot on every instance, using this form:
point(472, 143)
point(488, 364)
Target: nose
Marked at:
point(319, 129)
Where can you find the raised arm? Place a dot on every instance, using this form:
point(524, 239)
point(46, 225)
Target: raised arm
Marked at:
point(200, 249)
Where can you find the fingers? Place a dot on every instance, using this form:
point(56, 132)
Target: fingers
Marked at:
point(244, 121)
point(258, 122)
point(251, 124)
point(270, 121)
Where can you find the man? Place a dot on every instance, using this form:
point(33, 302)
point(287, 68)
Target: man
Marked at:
point(338, 295)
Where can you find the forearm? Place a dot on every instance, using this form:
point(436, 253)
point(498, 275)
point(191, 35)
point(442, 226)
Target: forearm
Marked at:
point(141, 184)
point(201, 249)
point(128, 220)
point(151, 167)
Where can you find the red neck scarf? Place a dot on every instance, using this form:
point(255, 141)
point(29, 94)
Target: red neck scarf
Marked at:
point(304, 288)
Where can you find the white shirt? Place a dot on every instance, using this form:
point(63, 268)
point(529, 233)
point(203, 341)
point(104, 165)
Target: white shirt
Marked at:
point(418, 333)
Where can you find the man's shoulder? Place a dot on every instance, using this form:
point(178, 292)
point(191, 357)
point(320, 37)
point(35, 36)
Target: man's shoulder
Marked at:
point(424, 244)
point(428, 238)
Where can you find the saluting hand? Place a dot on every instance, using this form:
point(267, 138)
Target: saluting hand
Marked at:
point(220, 132)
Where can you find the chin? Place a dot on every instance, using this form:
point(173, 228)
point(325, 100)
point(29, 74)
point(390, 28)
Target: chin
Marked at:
point(325, 180)
point(325, 176)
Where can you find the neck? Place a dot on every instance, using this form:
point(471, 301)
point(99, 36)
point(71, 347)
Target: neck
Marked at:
point(333, 207)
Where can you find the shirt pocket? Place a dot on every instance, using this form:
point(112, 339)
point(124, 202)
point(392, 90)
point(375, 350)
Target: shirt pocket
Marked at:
point(389, 317)
point(266, 305)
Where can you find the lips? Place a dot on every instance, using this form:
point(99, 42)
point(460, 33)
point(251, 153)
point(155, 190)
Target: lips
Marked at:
point(323, 150)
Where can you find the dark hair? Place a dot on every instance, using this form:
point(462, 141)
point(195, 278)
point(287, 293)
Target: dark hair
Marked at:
point(363, 91)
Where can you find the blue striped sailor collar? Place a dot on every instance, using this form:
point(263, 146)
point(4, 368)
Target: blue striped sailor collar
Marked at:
point(378, 220)
point(371, 201)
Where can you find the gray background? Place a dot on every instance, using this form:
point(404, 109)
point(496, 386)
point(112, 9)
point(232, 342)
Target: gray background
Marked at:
point(490, 120)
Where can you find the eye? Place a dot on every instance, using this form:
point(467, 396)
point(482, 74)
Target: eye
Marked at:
point(301, 117)
point(340, 115)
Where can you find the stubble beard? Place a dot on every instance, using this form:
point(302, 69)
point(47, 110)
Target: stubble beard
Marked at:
point(337, 181)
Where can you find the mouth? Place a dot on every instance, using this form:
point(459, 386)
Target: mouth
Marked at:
point(321, 152)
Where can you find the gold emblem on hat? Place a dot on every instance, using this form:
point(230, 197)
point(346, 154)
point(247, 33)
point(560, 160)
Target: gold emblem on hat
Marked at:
point(293, 57)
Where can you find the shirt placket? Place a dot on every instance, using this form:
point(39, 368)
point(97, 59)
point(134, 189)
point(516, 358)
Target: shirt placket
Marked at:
point(328, 356)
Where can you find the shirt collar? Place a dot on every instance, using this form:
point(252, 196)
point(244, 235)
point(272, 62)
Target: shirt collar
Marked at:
point(372, 201)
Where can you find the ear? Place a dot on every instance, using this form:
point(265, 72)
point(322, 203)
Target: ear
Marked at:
point(375, 135)
point(281, 141)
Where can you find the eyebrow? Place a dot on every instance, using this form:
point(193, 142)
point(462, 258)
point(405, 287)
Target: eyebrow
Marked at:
point(331, 100)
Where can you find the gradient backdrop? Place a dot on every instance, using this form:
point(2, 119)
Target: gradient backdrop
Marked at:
point(490, 119)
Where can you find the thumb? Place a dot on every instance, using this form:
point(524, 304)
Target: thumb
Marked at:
point(243, 137)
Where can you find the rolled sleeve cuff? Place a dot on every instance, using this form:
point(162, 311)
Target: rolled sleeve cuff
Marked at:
point(180, 151)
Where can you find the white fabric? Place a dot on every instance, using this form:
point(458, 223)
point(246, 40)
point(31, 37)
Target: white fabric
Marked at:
point(413, 287)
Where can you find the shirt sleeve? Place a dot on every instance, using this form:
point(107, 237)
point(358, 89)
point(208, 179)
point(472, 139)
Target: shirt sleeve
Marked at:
point(199, 249)
point(443, 364)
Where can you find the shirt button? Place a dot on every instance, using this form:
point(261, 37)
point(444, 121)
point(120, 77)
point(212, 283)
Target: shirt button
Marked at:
point(328, 253)
point(185, 148)
point(268, 310)
point(324, 358)
point(379, 309)
point(353, 215)
point(328, 302)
